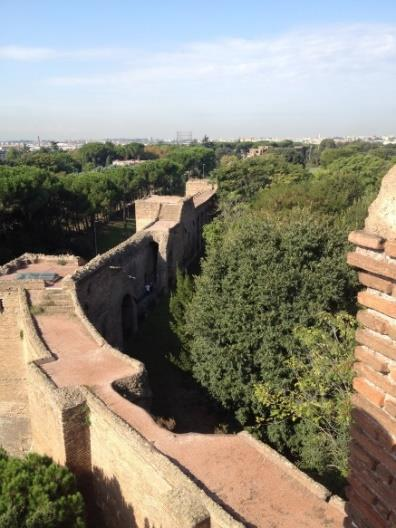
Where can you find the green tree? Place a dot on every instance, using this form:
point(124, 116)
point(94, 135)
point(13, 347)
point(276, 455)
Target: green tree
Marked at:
point(260, 279)
point(97, 153)
point(240, 180)
point(162, 176)
point(194, 160)
point(132, 150)
point(36, 493)
point(314, 409)
point(179, 301)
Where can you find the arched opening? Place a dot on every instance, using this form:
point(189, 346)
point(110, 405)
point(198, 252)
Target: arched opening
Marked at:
point(127, 318)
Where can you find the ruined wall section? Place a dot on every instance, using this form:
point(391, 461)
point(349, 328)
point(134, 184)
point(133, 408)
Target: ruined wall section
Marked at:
point(58, 416)
point(199, 185)
point(172, 239)
point(135, 485)
point(128, 480)
point(372, 477)
point(146, 213)
point(15, 430)
point(105, 281)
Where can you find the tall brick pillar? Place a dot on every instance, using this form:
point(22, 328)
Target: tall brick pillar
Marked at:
point(372, 476)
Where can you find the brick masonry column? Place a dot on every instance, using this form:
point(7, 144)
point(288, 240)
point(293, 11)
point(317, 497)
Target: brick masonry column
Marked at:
point(372, 475)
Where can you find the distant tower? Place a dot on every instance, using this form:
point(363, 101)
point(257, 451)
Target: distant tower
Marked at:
point(183, 137)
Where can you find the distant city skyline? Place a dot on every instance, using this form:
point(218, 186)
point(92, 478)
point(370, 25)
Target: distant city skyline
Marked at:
point(96, 69)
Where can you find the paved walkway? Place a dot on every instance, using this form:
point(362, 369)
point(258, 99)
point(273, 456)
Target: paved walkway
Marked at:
point(261, 491)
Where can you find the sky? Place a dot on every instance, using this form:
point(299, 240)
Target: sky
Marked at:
point(111, 69)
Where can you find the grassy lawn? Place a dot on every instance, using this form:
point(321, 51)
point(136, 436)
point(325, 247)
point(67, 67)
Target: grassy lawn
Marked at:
point(114, 233)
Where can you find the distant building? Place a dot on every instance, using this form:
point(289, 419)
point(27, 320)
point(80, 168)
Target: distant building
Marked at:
point(125, 163)
point(257, 151)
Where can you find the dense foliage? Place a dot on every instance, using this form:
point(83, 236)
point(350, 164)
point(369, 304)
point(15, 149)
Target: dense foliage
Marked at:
point(262, 277)
point(36, 493)
point(269, 327)
point(239, 180)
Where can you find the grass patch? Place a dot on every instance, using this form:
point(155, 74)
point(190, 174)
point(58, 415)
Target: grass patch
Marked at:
point(113, 233)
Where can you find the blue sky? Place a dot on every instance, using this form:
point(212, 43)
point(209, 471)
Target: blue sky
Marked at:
point(98, 69)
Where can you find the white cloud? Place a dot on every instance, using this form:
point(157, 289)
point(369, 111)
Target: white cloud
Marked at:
point(28, 54)
point(345, 50)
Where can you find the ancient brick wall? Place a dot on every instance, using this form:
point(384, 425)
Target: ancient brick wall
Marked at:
point(198, 185)
point(151, 256)
point(134, 485)
point(372, 476)
point(15, 432)
point(59, 427)
point(146, 213)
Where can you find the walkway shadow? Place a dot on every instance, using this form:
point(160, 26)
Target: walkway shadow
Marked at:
point(107, 507)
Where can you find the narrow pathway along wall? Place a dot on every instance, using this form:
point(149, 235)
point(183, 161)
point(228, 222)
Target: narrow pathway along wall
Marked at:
point(372, 476)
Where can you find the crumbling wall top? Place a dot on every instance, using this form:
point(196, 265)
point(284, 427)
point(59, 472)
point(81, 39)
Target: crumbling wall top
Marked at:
point(382, 212)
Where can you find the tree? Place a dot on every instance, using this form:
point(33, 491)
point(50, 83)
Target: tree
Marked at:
point(130, 151)
point(193, 159)
point(178, 304)
point(260, 279)
point(327, 143)
point(36, 493)
point(315, 407)
point(97, 153)
point(240, 180)
point(51, 160)
point(163, 176)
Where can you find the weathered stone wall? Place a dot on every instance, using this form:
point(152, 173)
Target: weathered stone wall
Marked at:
point(15, 433)
point(57, 416)
point(108, 279)
point(372, 476)
point(198, 185)
point(146, 213)
point(128, 480)
point(134, 485)
point(173, 239)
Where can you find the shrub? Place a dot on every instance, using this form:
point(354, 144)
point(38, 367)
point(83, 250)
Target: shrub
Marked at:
point(36, 493)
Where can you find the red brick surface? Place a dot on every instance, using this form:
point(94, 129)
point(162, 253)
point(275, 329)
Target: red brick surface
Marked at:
point(376, 342)
point(381, 381)
point(376, 322)
point(369, 391)
point(369, 263)
point(384, 425)
point(364, 239)
point(374, 360)
point(385, 305)
point(390, 248)
point(374, 281)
